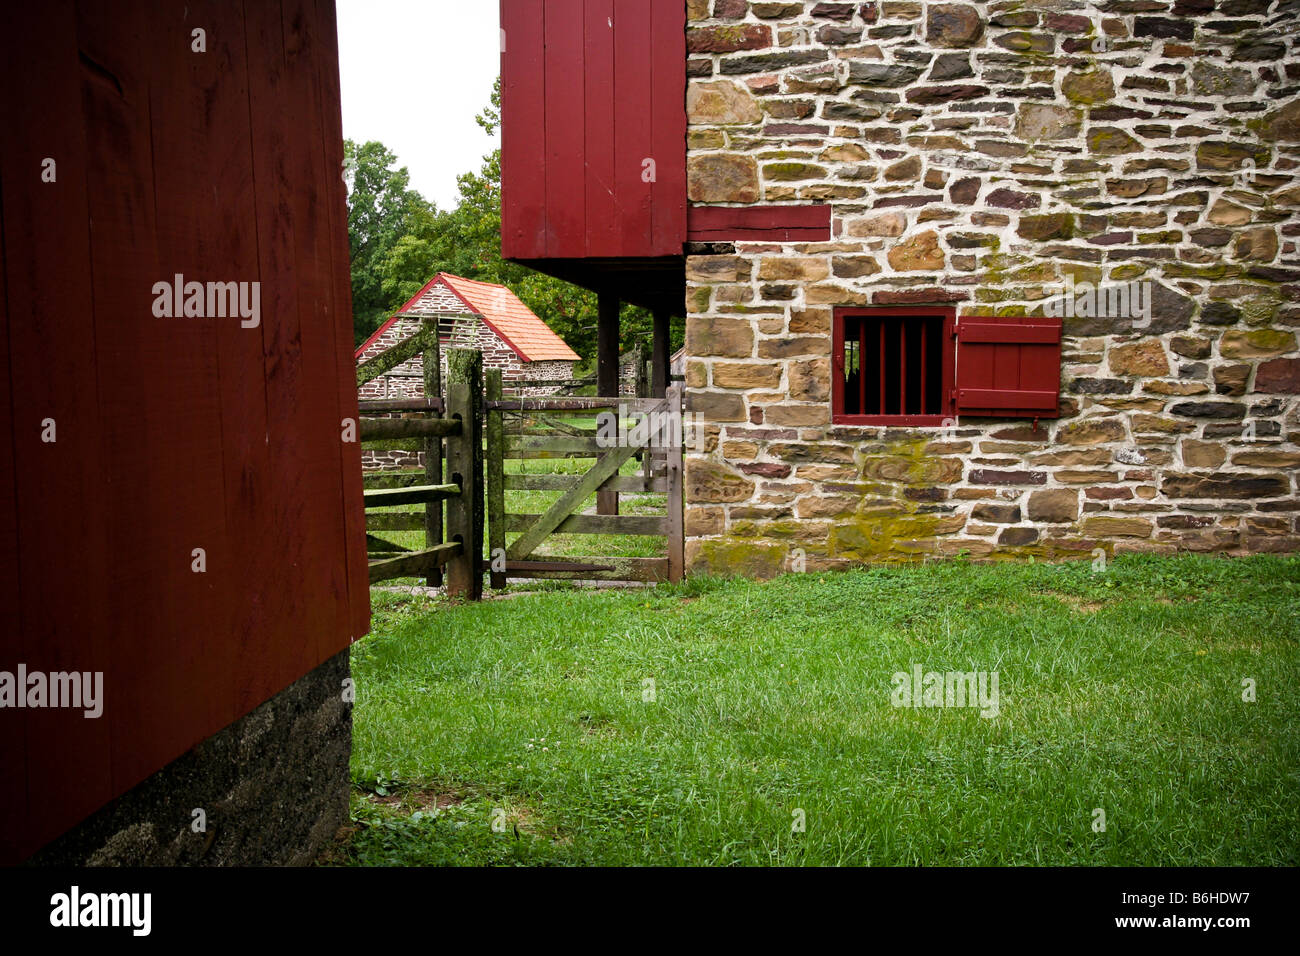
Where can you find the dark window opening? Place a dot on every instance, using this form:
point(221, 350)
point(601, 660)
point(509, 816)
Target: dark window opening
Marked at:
point(893, 367)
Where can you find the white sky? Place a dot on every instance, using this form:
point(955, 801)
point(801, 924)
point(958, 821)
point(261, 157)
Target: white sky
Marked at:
point(414, 75)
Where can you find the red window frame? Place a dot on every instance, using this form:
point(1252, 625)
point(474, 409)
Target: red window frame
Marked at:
point(947, 411)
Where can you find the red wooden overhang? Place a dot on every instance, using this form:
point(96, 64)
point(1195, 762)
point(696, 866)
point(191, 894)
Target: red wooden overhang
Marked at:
point(593, 151)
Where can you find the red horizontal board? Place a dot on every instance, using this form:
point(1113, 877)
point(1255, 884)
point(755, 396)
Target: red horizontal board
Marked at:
point(1006, 398)
point(1008, 367)
point(759, 223)
point(969, 331)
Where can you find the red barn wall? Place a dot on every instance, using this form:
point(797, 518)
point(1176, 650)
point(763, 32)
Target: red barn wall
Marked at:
point(590, 90)
point(171, 433)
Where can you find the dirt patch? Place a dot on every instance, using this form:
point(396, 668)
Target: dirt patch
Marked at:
point(414, 800)
point(1080, 604)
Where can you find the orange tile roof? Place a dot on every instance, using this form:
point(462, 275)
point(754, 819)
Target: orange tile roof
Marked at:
point(510, 319)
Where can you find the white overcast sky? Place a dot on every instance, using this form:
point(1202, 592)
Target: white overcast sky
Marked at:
point(414, 74)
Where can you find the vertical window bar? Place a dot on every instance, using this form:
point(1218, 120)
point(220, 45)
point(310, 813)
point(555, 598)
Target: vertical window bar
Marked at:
point(925, 324)
point(862, 372)
point(902, 367)
point(883, 360)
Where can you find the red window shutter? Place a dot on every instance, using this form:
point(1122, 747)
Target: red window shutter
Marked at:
point(1009, 367)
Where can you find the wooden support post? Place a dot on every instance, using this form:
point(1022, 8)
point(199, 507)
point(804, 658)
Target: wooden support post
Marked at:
point(607, 344)
point(607, 336)
point(676, 480)
point(496, 482)
point(642, 381)
point(660, 358)
point(432, 446)
point(465, 468)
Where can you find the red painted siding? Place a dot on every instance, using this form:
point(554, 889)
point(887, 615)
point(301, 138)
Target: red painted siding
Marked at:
point(172, 433)
point(591, 89)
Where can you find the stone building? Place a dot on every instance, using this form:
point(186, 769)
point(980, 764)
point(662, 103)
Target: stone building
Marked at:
point(477, 315)
point(1123, 170)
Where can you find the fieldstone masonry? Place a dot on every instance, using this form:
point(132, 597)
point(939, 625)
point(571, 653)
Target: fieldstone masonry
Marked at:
point(457, 329)
point(982, 154)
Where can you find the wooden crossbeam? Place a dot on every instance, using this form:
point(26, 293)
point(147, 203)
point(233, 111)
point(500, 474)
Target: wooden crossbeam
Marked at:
point(596, 524)
point(402, 405)
point(649, 570)
point(626, 483)
point(377, 429)
point(415, 564)
point(416, 495)
point(389, 359)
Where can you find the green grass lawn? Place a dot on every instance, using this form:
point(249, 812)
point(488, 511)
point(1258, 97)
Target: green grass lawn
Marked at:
point(1119, 691)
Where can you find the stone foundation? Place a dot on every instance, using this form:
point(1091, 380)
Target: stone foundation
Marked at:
point(274, 787)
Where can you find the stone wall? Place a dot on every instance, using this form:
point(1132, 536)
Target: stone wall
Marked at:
point(457, 329)
point(273, 788)
point(979, 155)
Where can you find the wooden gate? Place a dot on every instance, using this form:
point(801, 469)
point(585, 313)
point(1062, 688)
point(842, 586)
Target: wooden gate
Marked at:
point(448, 428)
point(611, 433)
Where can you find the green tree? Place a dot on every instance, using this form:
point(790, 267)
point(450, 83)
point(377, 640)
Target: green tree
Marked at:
point(382, 208)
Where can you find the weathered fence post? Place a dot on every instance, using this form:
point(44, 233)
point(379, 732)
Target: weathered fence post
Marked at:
point(432, 446)
point(465, 468)
point(496, 480)
point(675, 476)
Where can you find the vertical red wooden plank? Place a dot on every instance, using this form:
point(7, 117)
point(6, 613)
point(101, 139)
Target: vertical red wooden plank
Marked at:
point(975, 366)
point(339, 308)
point(603, 232)
point(1004, 362)
point(163, 455)
point(302, 393)
point(51, 340)
point(566, 216)
point(208, 228)
point(668, 96)
point(524, 224)
point(13, 725)
point(204, 227)
point(633, 134)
